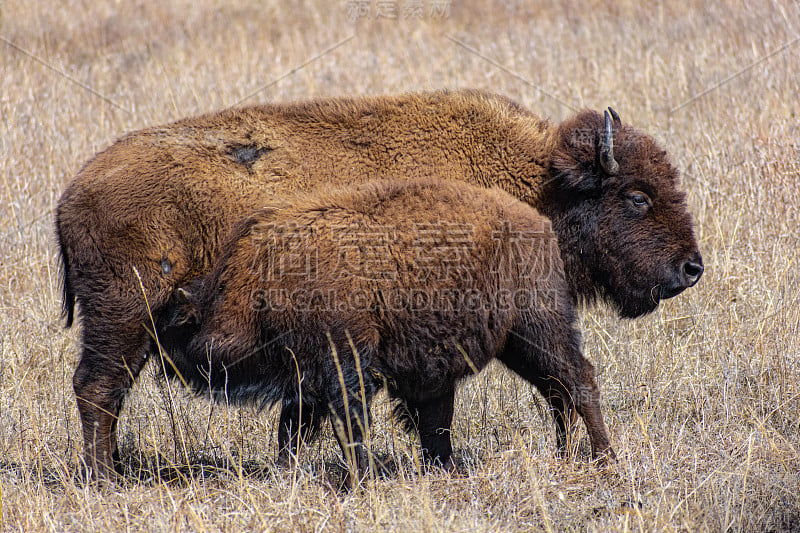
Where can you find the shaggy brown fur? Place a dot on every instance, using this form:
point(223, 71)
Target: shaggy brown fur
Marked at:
point(149, 213)
point(415, 285)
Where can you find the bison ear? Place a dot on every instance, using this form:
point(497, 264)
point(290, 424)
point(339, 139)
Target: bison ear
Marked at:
point(583, 180)
point(186, 311)
point(587, 154)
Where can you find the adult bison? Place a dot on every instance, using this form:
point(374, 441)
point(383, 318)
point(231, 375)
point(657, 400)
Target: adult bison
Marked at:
point(414, 285)
point(149, 213)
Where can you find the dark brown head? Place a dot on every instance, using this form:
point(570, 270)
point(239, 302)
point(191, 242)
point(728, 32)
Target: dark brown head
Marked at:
point(624, 230)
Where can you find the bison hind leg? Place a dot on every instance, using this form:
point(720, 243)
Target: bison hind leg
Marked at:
point(112, 356)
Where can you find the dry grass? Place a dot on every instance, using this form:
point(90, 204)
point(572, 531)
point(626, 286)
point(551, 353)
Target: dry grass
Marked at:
point(702, 398)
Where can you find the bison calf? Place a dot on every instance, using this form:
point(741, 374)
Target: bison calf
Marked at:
point(409, 285)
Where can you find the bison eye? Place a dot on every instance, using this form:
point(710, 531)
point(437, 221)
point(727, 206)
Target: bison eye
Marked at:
point(640, 200)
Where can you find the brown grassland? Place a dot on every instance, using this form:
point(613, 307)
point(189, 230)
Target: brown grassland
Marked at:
point(702, 398)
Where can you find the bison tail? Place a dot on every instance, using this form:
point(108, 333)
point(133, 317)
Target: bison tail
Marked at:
point(67, 294)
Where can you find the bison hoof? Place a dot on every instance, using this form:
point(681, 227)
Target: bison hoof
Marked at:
point(436, 465)
point(100, 476)
point(606, 457)
point(286, 460)
point(450, 467)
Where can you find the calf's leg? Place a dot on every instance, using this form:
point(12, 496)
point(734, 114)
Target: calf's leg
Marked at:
point(299, 423)
point(432, 421)
point(550, 358)
point(350, 418)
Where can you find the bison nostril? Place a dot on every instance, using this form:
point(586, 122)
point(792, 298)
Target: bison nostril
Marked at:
point(693, 270)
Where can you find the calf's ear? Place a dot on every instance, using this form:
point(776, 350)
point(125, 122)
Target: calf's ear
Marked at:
point(185, 312)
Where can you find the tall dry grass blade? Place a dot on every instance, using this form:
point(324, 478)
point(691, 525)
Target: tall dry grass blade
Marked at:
point(179, 438)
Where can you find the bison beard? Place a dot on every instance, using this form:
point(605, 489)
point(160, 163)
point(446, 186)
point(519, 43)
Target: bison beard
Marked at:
point(504, 297)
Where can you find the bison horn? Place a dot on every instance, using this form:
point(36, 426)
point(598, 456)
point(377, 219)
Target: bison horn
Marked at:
point(183, 294)
point(607, 160)
point(615, 117)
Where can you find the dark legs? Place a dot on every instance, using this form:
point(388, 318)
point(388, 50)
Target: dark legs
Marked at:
point(556, 366)
point(350, 436)
point(350, 389)
point(347, 390)
point(350, 419)
point(111, 359)
point(298, 424)
point(432, 421)
point(565, 417)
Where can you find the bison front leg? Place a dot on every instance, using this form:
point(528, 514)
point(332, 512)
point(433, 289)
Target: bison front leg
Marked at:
point(299, 423)
point(582, 397)
point(564, 414)
point(578, 399)
point(350, 430)
point(350, 419)
point(550, 358)
point(573, 390)
point(432, 421)
point(586, 398)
